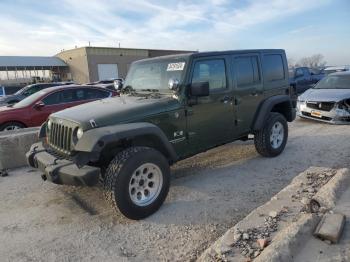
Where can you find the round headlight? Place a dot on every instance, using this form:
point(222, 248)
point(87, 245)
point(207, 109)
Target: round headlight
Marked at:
point(49, 124)
point(80, 133)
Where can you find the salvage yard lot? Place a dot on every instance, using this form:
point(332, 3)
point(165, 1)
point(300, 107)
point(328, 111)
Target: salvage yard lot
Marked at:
point(210, 192)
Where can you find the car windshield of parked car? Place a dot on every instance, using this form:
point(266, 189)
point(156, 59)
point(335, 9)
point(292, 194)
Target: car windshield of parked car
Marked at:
point(19, 92)
point(155, 75)
point(29, 100)
point(334, 82)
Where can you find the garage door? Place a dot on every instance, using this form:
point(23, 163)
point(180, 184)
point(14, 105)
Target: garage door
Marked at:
point(107, 71)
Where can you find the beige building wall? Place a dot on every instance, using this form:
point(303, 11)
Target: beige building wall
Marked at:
point(121, 56)
point(77, 61)
point(83, 62)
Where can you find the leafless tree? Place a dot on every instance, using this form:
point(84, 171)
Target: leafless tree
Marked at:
point(291, 63)
point(313, 61)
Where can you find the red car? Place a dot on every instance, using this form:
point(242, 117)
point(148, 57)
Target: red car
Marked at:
point(34, 110)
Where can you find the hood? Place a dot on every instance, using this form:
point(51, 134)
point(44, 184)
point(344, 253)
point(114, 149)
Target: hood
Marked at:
point(116, 110)
point(6, 108)
point(325, 95)
point(9, 98)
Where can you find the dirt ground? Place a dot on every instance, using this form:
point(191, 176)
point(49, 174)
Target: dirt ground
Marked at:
point(210, 192)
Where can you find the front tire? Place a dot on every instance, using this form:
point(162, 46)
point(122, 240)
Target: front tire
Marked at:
point(271, 140)
point(10, 126)
point(137, 182)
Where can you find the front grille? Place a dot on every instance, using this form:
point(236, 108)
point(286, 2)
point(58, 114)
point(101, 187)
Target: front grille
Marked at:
point(60, 137)
point(326, 118)
point(324, 106)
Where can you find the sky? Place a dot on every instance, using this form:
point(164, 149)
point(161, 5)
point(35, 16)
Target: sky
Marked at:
point(302, 28)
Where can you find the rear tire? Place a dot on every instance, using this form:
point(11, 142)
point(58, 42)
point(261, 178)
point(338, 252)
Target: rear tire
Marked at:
point(11, 126)
point(137, 182)
point(271, 140)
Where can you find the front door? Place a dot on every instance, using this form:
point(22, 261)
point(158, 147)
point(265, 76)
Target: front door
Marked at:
point(210, 119)
point(246, 72)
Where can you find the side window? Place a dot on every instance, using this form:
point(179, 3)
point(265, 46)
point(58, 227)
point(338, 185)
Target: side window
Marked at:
point(246, 70)
point(299, 72)
point(52, 99)
point(68, 96)
point(212, 71)
point(273, 68)
point(80, 94)
point(95, 93)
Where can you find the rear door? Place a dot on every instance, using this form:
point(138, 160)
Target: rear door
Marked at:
point(248, 89)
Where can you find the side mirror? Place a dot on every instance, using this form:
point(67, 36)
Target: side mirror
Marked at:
point(173, 84)
point(199, 89)
point(118, 84)
point(39, 105)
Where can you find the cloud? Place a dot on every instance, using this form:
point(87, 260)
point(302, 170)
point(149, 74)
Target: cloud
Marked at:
point(184, 24)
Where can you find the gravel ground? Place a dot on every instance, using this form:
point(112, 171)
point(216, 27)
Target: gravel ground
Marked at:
point(210, 192)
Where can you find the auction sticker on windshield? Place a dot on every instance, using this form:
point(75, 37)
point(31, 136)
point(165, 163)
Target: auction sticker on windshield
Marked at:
point(176, 66)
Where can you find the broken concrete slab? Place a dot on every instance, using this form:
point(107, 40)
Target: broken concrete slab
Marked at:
point(330, 227)
point(14, 145)
point(326, 197)
point(286, 243)
point(292, 219)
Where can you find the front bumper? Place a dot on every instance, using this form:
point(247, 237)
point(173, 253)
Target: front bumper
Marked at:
point(331, 117)
point(61, 171)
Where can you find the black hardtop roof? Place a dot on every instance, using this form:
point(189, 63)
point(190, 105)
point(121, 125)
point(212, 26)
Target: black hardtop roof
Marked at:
point(212, 53)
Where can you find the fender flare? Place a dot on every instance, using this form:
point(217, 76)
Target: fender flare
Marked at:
point(266, 107)
point(95, 140)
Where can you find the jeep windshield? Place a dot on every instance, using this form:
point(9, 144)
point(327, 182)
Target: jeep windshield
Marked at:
point(154, 75)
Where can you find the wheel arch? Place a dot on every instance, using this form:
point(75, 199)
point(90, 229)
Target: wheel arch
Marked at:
point(279, 104)
point(104, 143)
point(15, 121)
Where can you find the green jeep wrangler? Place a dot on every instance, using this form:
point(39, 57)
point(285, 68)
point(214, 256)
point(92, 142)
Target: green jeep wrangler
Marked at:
point(170, 108)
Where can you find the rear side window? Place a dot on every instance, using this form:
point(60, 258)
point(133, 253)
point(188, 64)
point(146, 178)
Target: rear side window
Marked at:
point(246, 70)
point(273, 68)
point(212, 71)
point(95, 93)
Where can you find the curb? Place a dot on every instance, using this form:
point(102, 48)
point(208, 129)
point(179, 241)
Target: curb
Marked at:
point(14, 145)
point(289, 239)
point(327, 196)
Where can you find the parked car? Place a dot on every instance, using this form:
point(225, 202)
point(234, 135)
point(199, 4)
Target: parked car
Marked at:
point(109, 83)
point(2, 91)
point(27, 91)
point(172, 107)
point(34, 110)
point(303, 78)
point(328, 101)
point(334, 69)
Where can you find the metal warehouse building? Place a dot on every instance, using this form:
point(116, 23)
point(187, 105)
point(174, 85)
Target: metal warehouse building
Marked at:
point(19, 70)
point(90, 64)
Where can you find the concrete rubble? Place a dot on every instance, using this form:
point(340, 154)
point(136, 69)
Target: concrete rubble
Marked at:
point(272, 231)
point(330, 227)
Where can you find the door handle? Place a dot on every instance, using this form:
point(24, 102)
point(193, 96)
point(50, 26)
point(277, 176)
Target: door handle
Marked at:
point(254, 93)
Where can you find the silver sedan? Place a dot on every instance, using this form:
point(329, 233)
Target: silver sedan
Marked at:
point(328, 101)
